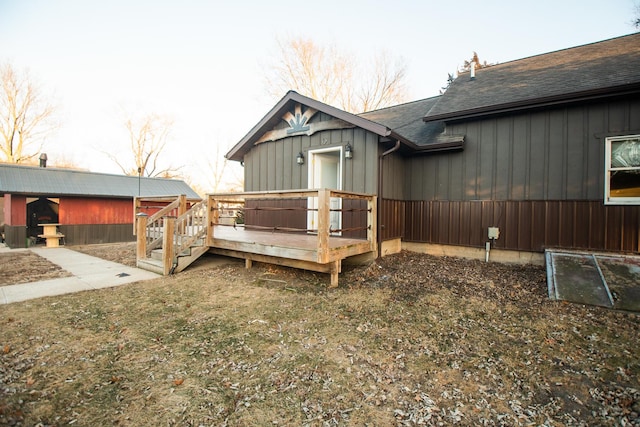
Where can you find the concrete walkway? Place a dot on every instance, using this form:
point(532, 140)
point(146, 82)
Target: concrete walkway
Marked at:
point(88, 273)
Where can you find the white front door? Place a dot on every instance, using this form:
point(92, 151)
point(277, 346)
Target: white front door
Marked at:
point(325, 171)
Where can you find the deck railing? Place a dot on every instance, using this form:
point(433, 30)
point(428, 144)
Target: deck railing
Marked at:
point(319, 204)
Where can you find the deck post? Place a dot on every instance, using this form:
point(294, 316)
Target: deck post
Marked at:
point(167, 244)
point(136, 209)
point(212, 218)
point(372, 222)
point(182, 208)
point(324, 198)
point(334, 271)
point(141, 239)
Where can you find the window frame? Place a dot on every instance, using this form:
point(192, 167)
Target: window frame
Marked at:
point(608, 199)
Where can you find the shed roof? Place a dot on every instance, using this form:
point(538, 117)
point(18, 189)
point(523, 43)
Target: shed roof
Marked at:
point(590, 71)
point(55, 182)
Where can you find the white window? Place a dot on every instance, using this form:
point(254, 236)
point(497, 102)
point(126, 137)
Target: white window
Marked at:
point(622, 168)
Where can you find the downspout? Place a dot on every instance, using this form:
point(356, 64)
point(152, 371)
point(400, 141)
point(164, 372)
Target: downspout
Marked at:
point(380, 192)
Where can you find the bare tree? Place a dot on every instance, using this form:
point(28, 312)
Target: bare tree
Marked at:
point(466, 67)
point(148, 138)
point(25, 118)
point(334, 77)
point(474, 60)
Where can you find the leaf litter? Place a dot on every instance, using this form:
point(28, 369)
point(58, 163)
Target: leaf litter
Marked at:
point(408, 340)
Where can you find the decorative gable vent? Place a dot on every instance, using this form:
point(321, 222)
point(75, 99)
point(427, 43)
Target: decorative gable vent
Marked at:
point(298, 120)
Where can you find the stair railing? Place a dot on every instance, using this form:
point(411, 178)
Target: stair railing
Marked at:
point(190, 227)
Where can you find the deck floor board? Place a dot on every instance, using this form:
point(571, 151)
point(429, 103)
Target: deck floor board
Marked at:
point(308, 242)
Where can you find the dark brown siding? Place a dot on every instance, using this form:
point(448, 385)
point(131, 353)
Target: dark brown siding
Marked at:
point(291, 214)
point(525, 225)
point(86, 234)
point(391, 215)
point(15, 236)
point(277, 213)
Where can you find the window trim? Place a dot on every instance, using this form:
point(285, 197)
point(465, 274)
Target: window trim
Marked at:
point(608, 200)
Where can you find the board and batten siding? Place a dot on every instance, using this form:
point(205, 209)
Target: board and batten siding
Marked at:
point(548, 155)
point(538, 176)
point(271, 165)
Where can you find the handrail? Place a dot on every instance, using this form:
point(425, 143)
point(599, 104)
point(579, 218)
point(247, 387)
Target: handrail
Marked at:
point(164, 211)
point(190, 227)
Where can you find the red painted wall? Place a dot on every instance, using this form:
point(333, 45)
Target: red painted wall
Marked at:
point(75, 211)
point(15, 210)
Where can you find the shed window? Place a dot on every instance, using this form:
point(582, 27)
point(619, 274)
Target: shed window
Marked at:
point(622, 168)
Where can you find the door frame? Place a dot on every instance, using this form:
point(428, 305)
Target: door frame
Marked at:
point(336, 202)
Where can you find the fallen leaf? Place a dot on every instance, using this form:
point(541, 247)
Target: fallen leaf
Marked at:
point(6, 349)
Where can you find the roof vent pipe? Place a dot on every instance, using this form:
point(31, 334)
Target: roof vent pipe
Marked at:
point(43, 160)
point(473, 71)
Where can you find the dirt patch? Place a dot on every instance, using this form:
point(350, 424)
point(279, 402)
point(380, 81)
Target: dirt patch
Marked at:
point(123, 253)
point(26, 267)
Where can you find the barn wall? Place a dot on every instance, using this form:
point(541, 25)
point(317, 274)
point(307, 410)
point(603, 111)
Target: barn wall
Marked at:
point(15, 207)
point(80, 210)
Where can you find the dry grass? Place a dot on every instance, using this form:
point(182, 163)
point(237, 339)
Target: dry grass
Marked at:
point(414, 345)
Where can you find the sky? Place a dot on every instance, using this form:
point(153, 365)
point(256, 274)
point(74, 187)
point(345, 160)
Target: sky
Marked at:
point(202, 63)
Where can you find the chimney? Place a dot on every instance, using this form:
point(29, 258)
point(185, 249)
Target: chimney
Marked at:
point(472, 74)
point(43, 160)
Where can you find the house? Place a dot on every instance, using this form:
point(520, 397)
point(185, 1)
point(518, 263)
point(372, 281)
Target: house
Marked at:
point(541, 152)
point(89, 207)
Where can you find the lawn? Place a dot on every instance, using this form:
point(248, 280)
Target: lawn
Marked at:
point(410, 340)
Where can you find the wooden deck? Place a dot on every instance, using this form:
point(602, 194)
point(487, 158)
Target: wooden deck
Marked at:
point(293, 250)
point(320, 250)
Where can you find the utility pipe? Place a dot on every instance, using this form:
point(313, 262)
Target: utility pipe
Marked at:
point(380, 192)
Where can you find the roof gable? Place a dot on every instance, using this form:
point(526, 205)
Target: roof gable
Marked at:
point(17, 179)
point(290, 109)
point(583, 72)
point(397, 123)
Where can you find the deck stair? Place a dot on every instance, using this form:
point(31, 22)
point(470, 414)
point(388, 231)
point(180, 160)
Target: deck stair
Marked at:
point(173, 242)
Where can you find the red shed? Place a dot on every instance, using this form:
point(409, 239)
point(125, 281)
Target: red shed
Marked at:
point(89, 207)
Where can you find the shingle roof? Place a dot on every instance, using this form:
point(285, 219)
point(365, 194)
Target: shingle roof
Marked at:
point(406, 120)
point(583, 72)
point(401, 122)
point(16, 179)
